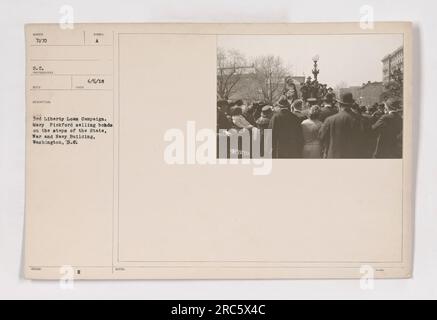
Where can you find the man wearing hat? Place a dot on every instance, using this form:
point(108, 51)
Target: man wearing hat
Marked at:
point(306, 89)
point(324, 90)
point(297, 109)
point(389, 131)
point(340, 133)
point(287, 140)
point(329, 108)
point(380, 111)
point(263, 121)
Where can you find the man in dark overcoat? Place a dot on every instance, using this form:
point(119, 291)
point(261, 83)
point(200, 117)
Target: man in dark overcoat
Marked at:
point(287, 140)
point(389, 132)
point(340, 133)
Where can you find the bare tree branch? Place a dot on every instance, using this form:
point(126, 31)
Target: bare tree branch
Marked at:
point(230, 68)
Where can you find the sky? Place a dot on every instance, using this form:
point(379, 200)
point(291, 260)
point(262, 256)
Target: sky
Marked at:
point(350, 59)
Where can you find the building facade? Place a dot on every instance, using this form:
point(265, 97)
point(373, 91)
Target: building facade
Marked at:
point(367, 94)
point(391, 62)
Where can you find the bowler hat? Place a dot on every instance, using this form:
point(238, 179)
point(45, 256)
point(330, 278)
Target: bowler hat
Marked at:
point(346, 99)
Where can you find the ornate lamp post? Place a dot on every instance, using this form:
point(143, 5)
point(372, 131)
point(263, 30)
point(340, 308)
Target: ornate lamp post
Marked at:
point(316, 70)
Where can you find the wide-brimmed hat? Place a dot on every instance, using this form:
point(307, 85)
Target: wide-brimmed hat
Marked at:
point(346, 99)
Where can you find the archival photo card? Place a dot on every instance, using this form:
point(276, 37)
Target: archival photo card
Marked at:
point(219, 151)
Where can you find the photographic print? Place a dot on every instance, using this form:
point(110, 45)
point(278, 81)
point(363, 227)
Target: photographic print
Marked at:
point(310, 96)
point(125, 180)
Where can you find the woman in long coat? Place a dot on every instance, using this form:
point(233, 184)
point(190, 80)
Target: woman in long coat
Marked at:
point(312, 148)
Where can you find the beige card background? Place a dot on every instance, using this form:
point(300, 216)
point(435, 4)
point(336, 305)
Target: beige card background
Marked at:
point(112, 208)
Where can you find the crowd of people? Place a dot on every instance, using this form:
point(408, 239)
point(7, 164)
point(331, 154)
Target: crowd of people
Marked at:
point(331, 128)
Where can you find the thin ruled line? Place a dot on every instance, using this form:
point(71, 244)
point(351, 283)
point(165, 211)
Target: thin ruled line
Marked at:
point(74, 89)
point(403, 166)
point(67, 59)
point(118, 151)
point(264, 262)
point(90, 267)
point(216, 267)
point(261, 34)
point(71, 74)
point(71, 45)
point(113, 156)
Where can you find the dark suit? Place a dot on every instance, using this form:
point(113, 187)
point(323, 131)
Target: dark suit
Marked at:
point(287, 140)
point(340, 135)
point(389, 141)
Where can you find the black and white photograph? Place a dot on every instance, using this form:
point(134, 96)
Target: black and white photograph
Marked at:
point(310, 96)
